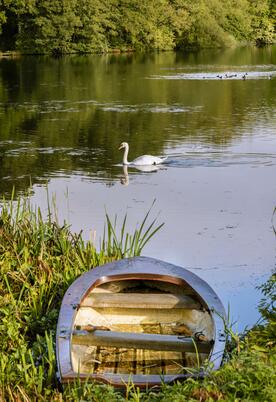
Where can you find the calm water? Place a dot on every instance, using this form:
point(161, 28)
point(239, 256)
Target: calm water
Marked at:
point(212, 113)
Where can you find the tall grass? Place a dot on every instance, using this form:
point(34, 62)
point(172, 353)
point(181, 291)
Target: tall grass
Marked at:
point(125, 244)
point(39, 259)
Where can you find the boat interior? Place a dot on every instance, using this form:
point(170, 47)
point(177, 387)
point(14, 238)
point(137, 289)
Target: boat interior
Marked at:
point(141, 326)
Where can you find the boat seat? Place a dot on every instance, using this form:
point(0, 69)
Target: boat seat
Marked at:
point(105, 338)
point(140, 300)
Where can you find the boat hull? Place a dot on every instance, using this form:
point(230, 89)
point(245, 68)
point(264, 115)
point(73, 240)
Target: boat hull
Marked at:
point(139, 318)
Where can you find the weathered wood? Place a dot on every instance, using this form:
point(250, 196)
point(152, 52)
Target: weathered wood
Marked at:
point(94, 359)
point(139, 300)
point(129, 286)
point(132, 361)
point(139, 341)
point(112, 317)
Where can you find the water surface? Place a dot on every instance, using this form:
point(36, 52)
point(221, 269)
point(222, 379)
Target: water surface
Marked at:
point(213, 113)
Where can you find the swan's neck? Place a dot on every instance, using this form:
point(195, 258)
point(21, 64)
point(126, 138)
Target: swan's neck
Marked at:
point(125, 162)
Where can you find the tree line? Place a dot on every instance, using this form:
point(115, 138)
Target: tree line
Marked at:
point(85, 26)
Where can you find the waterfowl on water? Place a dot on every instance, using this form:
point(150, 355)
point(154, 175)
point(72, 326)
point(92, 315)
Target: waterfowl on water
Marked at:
point(141, 160)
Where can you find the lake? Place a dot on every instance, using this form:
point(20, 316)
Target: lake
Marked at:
point(212, 113)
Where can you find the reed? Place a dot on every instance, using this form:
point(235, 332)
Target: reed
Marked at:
point(127, 245)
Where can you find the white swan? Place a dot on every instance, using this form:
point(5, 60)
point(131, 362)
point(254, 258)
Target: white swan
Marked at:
point(143, 160)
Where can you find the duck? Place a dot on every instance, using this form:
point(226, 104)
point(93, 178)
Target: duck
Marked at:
point(144, 160)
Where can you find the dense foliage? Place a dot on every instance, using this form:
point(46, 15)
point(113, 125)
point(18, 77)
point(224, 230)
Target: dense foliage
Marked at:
point(66, 26)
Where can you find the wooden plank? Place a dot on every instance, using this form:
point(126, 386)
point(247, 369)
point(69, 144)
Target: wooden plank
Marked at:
point(139, 300)
point(123, 354)
point(94, 359)
point(139, 341)
point(126, 286)
point(110, 317)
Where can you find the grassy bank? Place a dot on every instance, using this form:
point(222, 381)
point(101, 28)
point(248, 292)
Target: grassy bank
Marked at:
point(39, 259)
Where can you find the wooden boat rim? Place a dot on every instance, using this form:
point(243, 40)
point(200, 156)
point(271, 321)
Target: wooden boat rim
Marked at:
point(133, 268)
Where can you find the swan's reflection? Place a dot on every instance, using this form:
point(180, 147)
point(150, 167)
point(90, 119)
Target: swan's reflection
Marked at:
point(125, 179)
point(146, 168)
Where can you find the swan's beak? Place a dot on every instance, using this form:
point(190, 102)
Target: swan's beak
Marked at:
point(121, 146)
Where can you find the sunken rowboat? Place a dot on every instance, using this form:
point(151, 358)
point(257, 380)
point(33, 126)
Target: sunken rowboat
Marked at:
point(139, 319)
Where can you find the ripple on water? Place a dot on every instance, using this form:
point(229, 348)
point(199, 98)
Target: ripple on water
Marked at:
point(56, 106)
point(214, 159)
point(225, 68)
point(218, 75)
point(150, 108)
point(32, 151)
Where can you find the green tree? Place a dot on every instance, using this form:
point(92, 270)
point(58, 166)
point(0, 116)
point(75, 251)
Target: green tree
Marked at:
point(272, 14)
point(48, 27)
point(95, 22)
point(216, 24)
point(2, 20)
point(143, 24)
point(262, 24)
